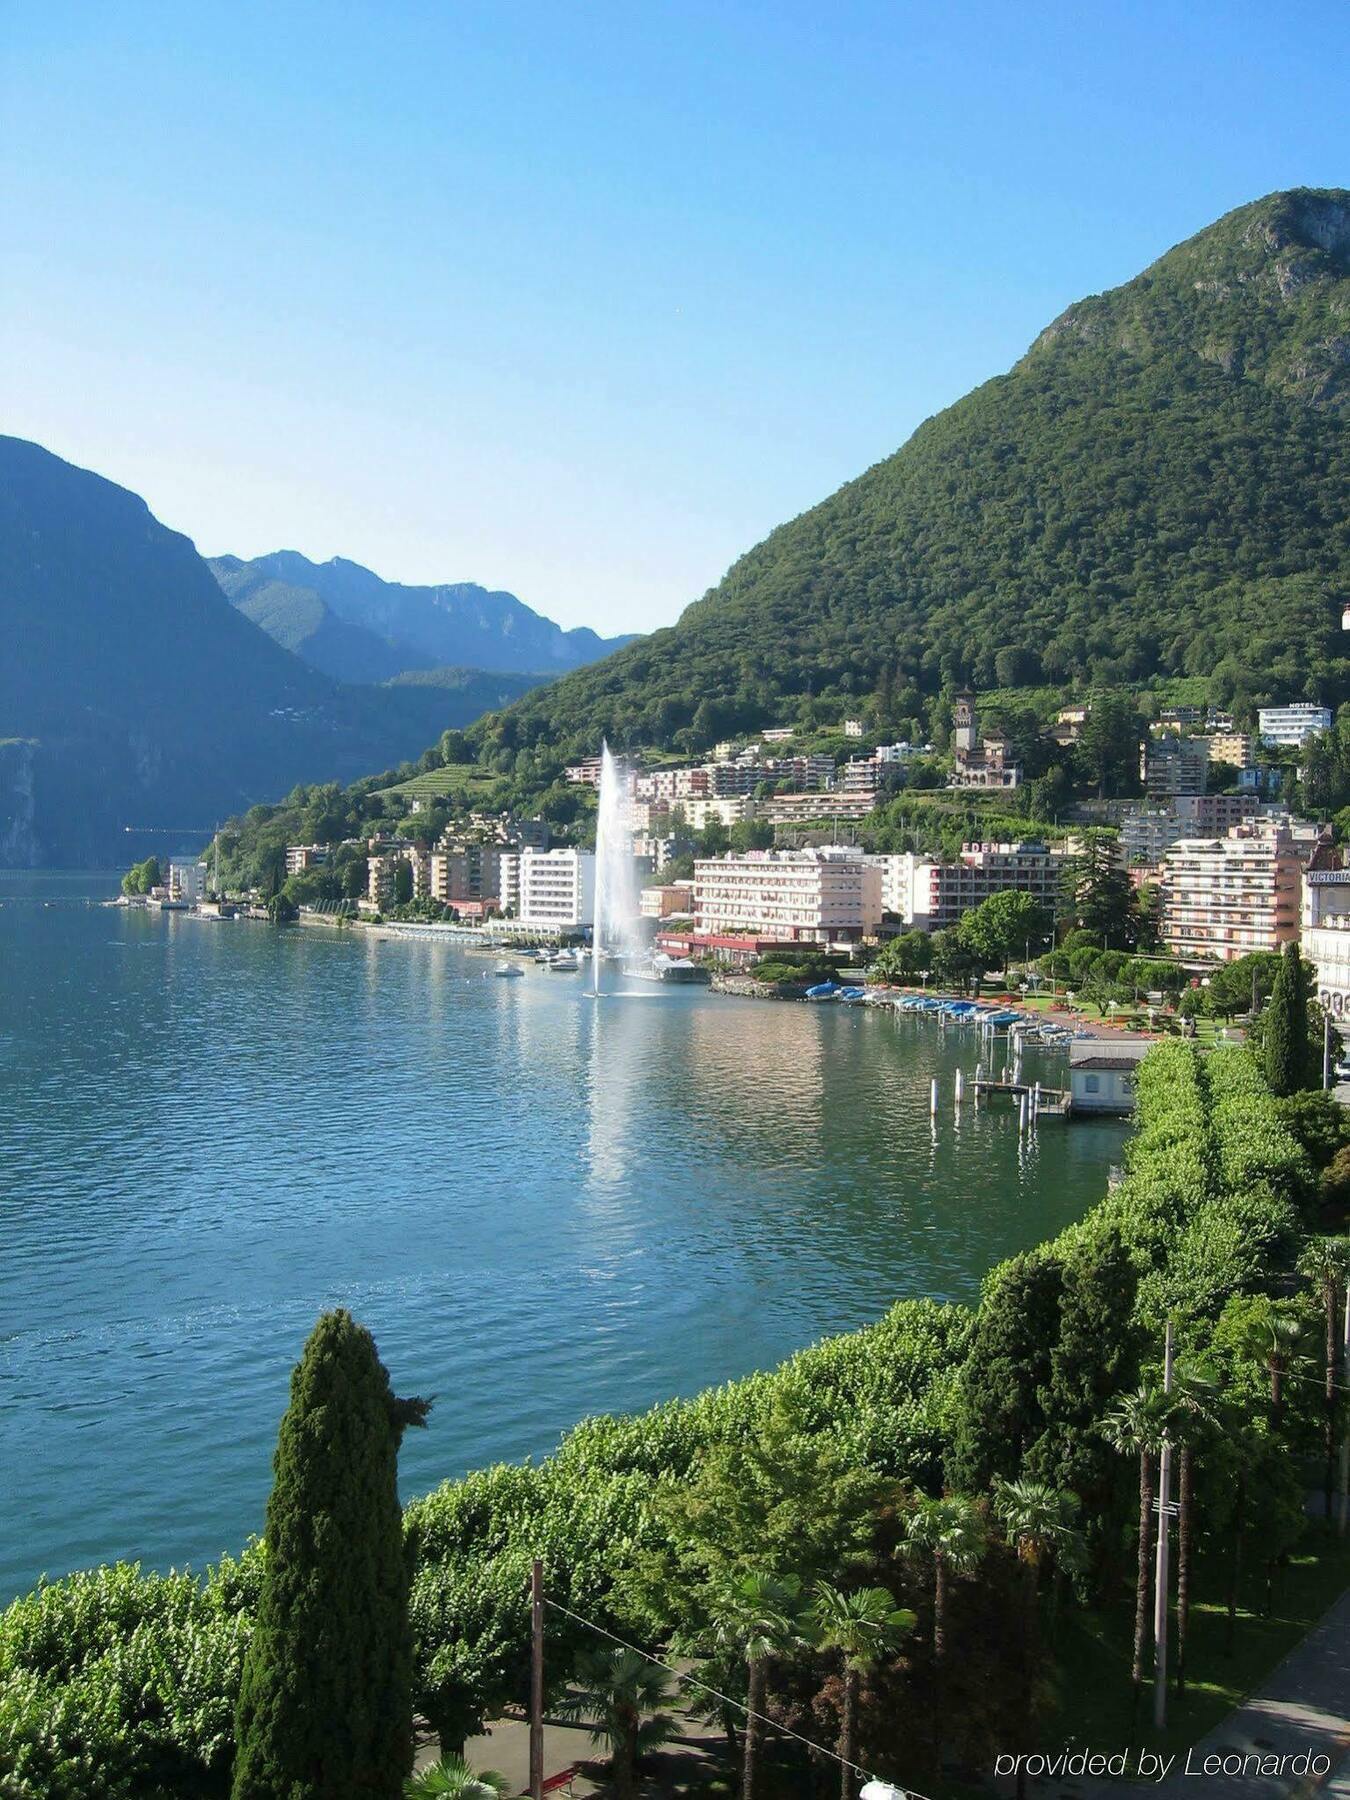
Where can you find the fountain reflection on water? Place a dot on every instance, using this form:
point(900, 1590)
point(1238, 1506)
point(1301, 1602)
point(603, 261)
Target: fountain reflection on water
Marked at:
point(615, 932)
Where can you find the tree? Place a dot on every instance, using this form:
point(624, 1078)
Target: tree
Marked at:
point(142, 876)
point(452, 1779)
point(1003, 925)
point(999, 1402)
point(756, 1619)
point(1107, 750)
point(950, 1533)
point(1326, 1264)
point(1097, 893)
point(862, 1626)
point(325, 1701)
point(1040, 1523)
point(1192, 1411)
point(904, 957)
point(403, 882)
point(1288, 1051)
point(628, 1699)
point(1242, 986)
point(1134, 1426)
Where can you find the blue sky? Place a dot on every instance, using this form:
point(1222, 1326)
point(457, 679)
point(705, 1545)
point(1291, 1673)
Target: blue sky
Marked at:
point(581, 300)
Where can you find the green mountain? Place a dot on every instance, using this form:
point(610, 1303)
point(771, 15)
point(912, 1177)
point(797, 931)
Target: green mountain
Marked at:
point(347, 621)
point(132, 694)
point(1158, 487)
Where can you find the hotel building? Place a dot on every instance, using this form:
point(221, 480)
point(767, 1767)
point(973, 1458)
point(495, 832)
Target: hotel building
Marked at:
point(796, 896)
point(557, 889)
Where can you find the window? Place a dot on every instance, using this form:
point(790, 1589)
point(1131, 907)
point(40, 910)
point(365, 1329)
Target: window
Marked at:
point(1092, 1084)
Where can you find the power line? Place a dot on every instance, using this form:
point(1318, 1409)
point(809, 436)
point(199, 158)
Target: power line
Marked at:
point(726, 1699)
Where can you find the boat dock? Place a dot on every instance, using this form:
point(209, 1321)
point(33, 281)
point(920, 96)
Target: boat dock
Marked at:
point(1053, 1102)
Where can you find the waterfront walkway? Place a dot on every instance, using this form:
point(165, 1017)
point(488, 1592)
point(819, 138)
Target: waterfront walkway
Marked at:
point(1303, 1706)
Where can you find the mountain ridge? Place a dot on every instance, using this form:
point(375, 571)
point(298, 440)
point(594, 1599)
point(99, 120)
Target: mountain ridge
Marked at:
point(319, 608)
point(1155, 487)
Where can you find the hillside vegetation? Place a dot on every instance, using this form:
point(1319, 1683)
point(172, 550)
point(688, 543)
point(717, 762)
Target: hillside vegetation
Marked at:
point(1156, 489)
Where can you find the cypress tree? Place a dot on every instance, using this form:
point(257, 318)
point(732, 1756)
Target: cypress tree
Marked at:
point(1288, 1052)
point(1000, 1396)
point(325, 1703)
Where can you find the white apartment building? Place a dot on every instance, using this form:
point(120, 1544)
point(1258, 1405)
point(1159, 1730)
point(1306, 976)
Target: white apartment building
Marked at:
point(1225, 897)
point(800, 896)
point(187, 880)
point(1326, 935)
point(1294, 724)
point(728, 811)
point(1147, 835)
point(557, 889)
point(508, 880)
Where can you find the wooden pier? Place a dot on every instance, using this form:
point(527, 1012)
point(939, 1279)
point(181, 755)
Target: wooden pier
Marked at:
point(1054, 1102)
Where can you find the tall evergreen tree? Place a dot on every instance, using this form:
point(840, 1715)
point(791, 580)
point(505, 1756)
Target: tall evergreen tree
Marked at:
point(1000, 1396)
point(325, 1704)
point(1287, 1044)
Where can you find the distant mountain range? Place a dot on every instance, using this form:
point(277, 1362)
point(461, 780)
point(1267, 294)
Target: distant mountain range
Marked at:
point(346, 621)
point(1158, 487)
point(132, 694)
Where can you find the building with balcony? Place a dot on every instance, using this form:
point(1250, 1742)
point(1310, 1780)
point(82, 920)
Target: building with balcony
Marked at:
point(940, 892)
point(1326, 936)
point(1292, 725)
point(465, 870)
point(792, 896)
point(1225, 897)
point(187, 880)
point(300, 857)
point(1170, 765)
point(557, 889)
point(674, 899)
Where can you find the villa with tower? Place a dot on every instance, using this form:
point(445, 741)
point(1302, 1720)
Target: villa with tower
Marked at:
point(977, 762)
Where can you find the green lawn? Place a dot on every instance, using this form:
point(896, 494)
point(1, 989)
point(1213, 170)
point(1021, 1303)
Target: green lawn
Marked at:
point(1092, 1686)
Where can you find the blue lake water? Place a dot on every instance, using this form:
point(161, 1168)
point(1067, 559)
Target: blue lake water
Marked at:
point(542, 1205)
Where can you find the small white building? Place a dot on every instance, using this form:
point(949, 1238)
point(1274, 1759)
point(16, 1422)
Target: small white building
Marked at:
point(1102, 1071)
point(557, 889)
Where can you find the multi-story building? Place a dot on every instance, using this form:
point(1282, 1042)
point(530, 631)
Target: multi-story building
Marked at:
point(1326, 935)
point(508, 876)
point(866, 775)
point(1212, 815)
point(557, 889)
point(1292, 725)
point(659, 851)
point(726, 778)
point(940, 892)
point(187, 880)
point(674, 899)
point(586, 773)
point(1235, 747)
point(808, 772)
point(796, 809)
point(1147, 833)
point(300, 857)
point(1225, 897)
point(800, 896)
point(778, 734)
point(729, 811)
point(466, 871)
point(1171, 764)
point(380, 878)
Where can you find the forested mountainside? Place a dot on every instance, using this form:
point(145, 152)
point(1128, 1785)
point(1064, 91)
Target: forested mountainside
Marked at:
point(1157, 487)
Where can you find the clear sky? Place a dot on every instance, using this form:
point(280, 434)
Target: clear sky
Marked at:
point(582, 299)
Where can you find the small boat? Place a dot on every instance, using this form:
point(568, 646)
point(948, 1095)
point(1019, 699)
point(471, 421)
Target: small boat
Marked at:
point(508, 971)
point(823, 990)
point(566, 962)
point(852, 995)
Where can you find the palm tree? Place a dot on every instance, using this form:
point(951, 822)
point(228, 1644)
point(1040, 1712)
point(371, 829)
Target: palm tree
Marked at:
point(1326, 1263)
point(1272, 1338)
point(1134, 1426)
point(862, 1627)
point(757, 1619)
point(452, 1779)
point(1040, 1523)
point(951, 1534)
point(627, 1699)
point(1191, 1410)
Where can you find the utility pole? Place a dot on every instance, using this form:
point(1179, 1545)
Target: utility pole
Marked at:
point(1345, 1425)
point(1326, 1051)
point(1160, 1576)
point(537, 1680)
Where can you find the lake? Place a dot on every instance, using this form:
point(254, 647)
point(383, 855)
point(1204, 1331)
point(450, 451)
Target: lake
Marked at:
point(543, 1206)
